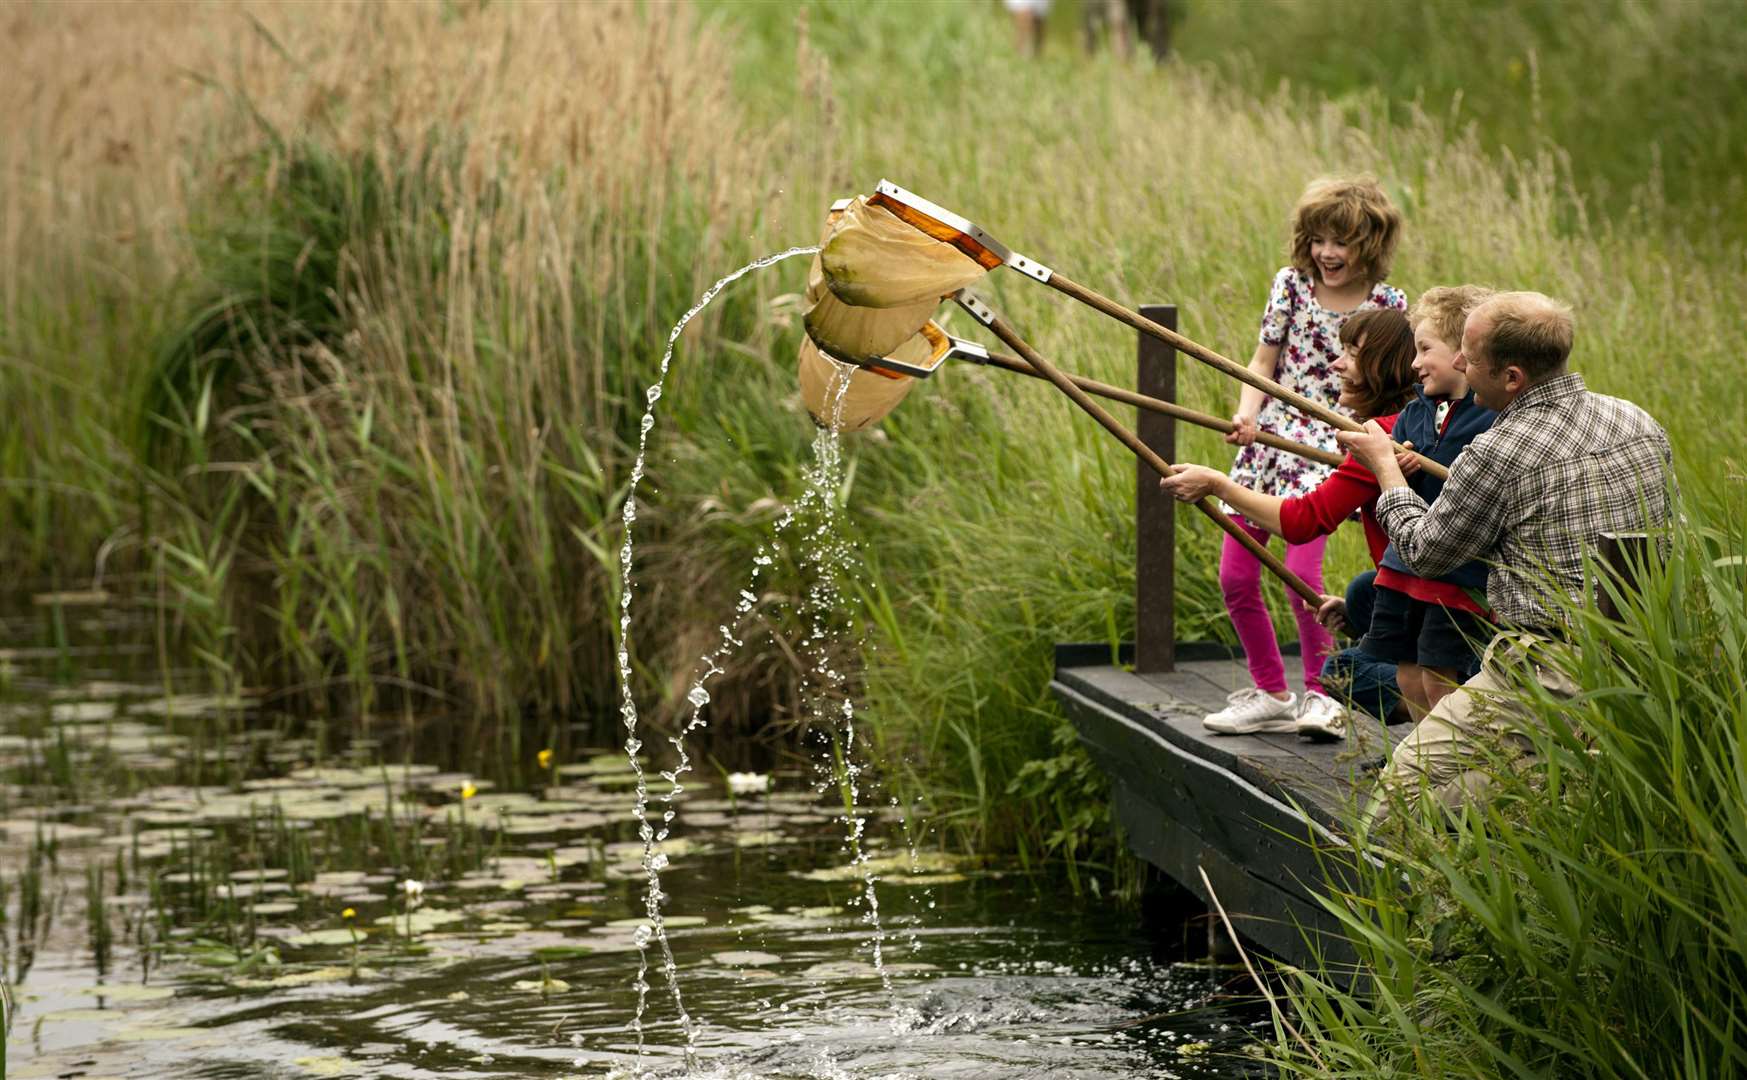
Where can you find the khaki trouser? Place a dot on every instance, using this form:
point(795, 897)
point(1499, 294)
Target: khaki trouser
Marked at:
point(1474, 731)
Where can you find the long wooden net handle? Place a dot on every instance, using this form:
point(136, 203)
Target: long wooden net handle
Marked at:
point(1006, 333)
point(1231, 367)
point(1168, 408)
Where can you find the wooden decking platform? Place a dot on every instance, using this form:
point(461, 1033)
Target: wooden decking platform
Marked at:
point(1258, 813)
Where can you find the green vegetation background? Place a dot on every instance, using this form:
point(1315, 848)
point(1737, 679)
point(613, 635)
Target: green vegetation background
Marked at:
point(358, 405)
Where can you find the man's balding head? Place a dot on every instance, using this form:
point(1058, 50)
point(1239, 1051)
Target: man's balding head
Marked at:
point(1511, 342)
point(1528, 330)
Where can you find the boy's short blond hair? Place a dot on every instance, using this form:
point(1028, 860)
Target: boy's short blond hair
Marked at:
point(1446, 308)
point(1351, 209)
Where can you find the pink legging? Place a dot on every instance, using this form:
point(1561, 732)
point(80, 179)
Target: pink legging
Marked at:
point(1240, 579)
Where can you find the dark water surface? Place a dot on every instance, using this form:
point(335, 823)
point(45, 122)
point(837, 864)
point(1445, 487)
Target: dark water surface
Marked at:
point(256, 918)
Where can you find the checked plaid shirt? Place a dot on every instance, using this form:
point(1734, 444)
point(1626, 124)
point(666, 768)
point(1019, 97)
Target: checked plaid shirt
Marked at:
point(1530, 497)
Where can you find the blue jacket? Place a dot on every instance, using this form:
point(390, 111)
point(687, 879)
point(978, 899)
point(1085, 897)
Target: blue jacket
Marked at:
point(1418, 424)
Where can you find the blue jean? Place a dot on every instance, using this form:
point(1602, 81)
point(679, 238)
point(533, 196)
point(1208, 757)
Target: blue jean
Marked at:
point(1362, 681)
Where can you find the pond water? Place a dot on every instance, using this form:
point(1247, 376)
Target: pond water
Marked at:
point(191, 888)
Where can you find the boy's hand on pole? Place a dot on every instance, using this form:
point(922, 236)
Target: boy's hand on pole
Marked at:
point(1333, 614)
point(1244, 432)
point(1408, 463)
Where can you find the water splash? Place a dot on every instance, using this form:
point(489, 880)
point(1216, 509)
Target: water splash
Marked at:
point(831, 558)
point(653, 896)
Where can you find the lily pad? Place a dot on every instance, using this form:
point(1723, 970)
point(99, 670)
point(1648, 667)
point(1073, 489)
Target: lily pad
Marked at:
point(25, 830)
point(833, 970)
point(88, 1016)
point(895, 866)
point(339, 878)
point(746, 958)
point(189, 705)
point(76, 711)
point(673, 848)
point(329, 1066)
point(161, 1033)
point(672, 922)
point(334, 776)
point(761, 838)
point(274, 907)
point(420, 922)
point(311, 977)
point(920, 880)
point(128, 992)
point(341, 936)
point(507, 926)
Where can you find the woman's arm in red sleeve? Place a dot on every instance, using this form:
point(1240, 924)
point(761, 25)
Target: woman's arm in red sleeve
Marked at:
point(1321, 512)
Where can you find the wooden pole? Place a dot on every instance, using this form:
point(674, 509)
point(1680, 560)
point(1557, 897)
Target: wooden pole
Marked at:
point(982, 313)
point(1623, 556)
point(1169, 408)
point(1212, 359)
point(1155, 511)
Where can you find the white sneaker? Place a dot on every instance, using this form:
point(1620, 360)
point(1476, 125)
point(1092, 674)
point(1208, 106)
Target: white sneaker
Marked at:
point(1252, 710)
point(1321, 718)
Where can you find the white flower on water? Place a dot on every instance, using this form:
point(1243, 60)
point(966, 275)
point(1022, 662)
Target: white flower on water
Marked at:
point(414, 890)
point(748, 783)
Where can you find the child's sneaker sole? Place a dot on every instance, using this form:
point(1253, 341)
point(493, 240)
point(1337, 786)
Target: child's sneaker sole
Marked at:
point(1322, 732)
point(1278, 725)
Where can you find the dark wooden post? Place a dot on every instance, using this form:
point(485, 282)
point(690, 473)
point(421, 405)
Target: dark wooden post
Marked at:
point(1623, 556)
point(1155, 513)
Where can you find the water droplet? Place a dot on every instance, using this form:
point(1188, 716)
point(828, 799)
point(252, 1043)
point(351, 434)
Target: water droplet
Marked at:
point(699, 697)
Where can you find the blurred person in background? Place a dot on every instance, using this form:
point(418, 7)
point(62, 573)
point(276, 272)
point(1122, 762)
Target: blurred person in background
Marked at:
point(1120, 22)
point(1028, 20)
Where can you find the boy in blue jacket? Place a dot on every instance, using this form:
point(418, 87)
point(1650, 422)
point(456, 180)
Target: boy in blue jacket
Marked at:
point(1431, 629)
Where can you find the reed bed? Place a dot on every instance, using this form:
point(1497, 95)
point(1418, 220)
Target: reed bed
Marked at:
point(402, 274)
point(1585, 922)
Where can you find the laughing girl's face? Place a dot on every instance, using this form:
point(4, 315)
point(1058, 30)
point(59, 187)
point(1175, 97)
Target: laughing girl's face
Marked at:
point(1332, 259)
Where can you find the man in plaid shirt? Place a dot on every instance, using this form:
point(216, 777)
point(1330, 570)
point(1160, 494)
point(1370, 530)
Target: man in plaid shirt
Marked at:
point(1531, 497)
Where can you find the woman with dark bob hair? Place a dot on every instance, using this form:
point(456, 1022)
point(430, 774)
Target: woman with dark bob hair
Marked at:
point(1377, 381)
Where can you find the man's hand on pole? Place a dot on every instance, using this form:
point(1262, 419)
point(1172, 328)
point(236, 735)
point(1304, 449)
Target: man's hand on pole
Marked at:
point(1373, 448)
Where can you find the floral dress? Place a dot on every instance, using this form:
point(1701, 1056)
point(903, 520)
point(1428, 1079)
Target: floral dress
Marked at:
point(1309, 336)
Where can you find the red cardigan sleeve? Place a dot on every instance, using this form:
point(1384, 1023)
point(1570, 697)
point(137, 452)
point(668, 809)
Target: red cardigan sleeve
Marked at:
point(1350, 487)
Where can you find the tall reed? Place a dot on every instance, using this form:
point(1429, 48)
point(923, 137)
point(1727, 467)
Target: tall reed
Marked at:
point(1585, 921)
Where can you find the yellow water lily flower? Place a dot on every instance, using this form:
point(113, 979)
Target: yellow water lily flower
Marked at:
point(349, 913)
point(468, 790)
point(545, 759)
